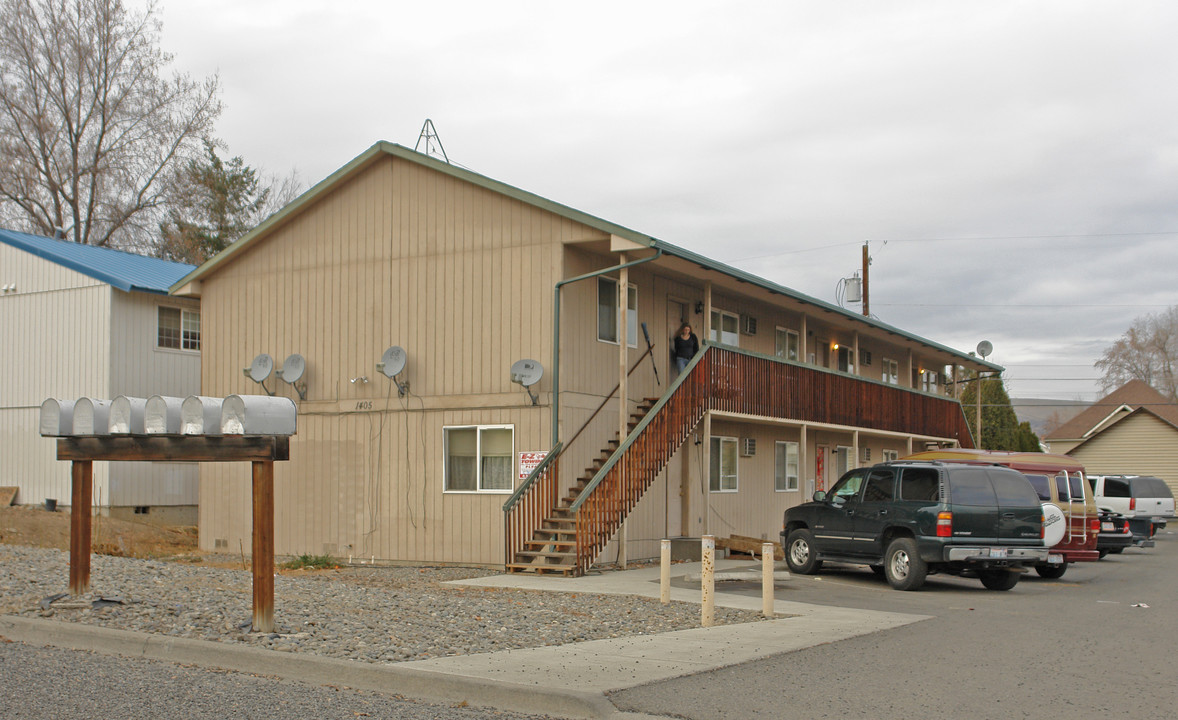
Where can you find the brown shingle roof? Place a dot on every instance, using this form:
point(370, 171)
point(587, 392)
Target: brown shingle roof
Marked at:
point(1134, 394)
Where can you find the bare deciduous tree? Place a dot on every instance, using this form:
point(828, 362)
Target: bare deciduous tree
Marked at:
point(92, 128)
point(1147, 351)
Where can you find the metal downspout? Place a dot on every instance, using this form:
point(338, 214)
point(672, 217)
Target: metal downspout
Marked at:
point(556, 333)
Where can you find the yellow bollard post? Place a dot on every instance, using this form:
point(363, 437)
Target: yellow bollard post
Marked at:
point(665, 573)
point(767, 579)
point(708, 581)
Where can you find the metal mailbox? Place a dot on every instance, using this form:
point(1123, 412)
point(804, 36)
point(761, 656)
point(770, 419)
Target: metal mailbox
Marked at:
point(91, 417)
point(161, 415)
point(200, 415)
point(126, 415)
point(57, 417)
point(258, 415)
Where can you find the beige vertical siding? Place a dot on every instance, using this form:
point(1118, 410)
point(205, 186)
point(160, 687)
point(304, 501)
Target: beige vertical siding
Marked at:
point(1141, 444)
point(399, 255)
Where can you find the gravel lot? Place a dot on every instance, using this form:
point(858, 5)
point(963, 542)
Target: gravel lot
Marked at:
point(366, 614)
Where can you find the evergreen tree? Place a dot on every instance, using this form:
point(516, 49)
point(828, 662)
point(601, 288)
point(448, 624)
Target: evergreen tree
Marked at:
point(217, 202)
point(1001, 429)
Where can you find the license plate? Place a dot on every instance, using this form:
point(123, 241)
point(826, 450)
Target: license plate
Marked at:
point(997, 552)
point(1054, 558)
point(1107, 526)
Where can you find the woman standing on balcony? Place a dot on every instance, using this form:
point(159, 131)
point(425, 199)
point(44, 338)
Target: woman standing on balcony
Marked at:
point(686, 345)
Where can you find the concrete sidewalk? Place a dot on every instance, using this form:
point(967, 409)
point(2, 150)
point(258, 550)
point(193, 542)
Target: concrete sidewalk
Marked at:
point(566, 680)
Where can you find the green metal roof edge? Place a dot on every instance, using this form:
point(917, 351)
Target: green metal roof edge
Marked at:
point(387, 148)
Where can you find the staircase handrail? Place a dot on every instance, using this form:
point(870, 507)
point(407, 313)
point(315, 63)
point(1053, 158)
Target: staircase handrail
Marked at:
point(629, 439)
point(531, 478)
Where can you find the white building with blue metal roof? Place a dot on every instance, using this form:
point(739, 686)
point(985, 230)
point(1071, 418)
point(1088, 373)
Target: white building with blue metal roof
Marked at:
point(86, 321)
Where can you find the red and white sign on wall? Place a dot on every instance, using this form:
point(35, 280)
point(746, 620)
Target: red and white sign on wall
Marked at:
point(528, 462)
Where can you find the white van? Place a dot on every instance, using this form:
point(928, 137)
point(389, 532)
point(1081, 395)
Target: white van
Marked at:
point(1147, 501)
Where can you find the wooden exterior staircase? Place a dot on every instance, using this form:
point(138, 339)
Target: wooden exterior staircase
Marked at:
point(552, 549)
point(545, 533)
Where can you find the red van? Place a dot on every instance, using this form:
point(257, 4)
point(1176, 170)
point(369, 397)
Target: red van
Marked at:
point(1059, 480)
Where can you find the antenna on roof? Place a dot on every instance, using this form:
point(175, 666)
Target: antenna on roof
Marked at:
point(430, 135)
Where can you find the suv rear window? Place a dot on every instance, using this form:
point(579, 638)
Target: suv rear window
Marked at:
point(1042, 485)
point(1013, 490)
point(1150, 487)
point(920, 484)
point(1116, 488)
point(971, 486)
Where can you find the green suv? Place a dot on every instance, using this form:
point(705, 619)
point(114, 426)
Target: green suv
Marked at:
point(909, 519)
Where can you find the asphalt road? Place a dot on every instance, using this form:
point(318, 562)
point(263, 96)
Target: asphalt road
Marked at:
point(1083, 646)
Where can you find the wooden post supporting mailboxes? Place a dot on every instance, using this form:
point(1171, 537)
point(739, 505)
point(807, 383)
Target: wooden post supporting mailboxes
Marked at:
point(261, 451)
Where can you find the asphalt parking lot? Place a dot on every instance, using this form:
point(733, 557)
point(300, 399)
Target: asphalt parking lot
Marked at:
point(1097, 643)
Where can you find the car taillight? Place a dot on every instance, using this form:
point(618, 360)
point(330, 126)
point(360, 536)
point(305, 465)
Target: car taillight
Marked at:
point(1132, 503)
point(945, 524)
point(1094, 526)
point(1042, 527)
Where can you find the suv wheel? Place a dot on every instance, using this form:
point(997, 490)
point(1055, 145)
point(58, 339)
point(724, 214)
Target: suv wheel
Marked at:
point(800, 554)
point(903, 566)
point(1051, 572)
point(999, 579)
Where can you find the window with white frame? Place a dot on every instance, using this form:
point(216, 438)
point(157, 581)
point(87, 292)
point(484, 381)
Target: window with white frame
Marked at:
point(608, 323)
point(178, 328)
point(479, 458)
point(785, 473)
point(787, 344)
point(725, 328)
point(891, 371)
point(891, 455)
point(928, 381)
point(723, 462)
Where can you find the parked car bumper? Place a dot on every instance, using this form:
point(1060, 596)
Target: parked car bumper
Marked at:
point(995, 553)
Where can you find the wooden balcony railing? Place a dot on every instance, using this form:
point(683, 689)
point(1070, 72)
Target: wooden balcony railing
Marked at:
point(728, 380)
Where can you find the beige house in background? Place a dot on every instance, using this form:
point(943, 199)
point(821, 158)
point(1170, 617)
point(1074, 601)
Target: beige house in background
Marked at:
point(1131, 431)
point(466, 274)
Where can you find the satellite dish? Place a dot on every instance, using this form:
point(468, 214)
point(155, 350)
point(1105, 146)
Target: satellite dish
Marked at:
point(392, 362)
point(261, 368)
point(293, 368)
point(985, 347)
point(526, 372)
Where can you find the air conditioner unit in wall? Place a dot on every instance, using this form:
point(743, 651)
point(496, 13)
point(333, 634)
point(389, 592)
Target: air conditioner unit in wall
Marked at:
point(748, 447)
point(748, 324)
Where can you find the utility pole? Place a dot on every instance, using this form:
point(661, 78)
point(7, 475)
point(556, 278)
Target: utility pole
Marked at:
point(866, 264)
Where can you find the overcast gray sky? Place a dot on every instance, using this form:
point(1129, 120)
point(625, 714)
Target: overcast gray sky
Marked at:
point(1013, 165)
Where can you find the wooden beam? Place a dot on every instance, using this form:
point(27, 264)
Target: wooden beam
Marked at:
point(174, 448)
point(263, 546)
point(82, 478)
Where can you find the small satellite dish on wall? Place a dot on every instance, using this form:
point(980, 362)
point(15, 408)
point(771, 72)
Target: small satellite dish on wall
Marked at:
point(985, 347)
point(527, 373)
point(292, 369)
point(392, 364)
point(260, 369)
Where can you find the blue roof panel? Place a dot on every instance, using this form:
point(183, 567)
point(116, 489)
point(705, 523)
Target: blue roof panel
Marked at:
point(123, 270)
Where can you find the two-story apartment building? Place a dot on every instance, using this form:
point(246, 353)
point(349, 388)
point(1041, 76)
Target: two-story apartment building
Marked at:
point(469, 275)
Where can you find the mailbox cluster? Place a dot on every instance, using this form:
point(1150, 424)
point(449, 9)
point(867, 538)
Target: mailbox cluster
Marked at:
point(254, 415)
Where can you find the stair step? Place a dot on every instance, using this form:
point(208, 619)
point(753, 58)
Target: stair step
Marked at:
point(541, 569)
point(550, 542)
point(544, 554)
